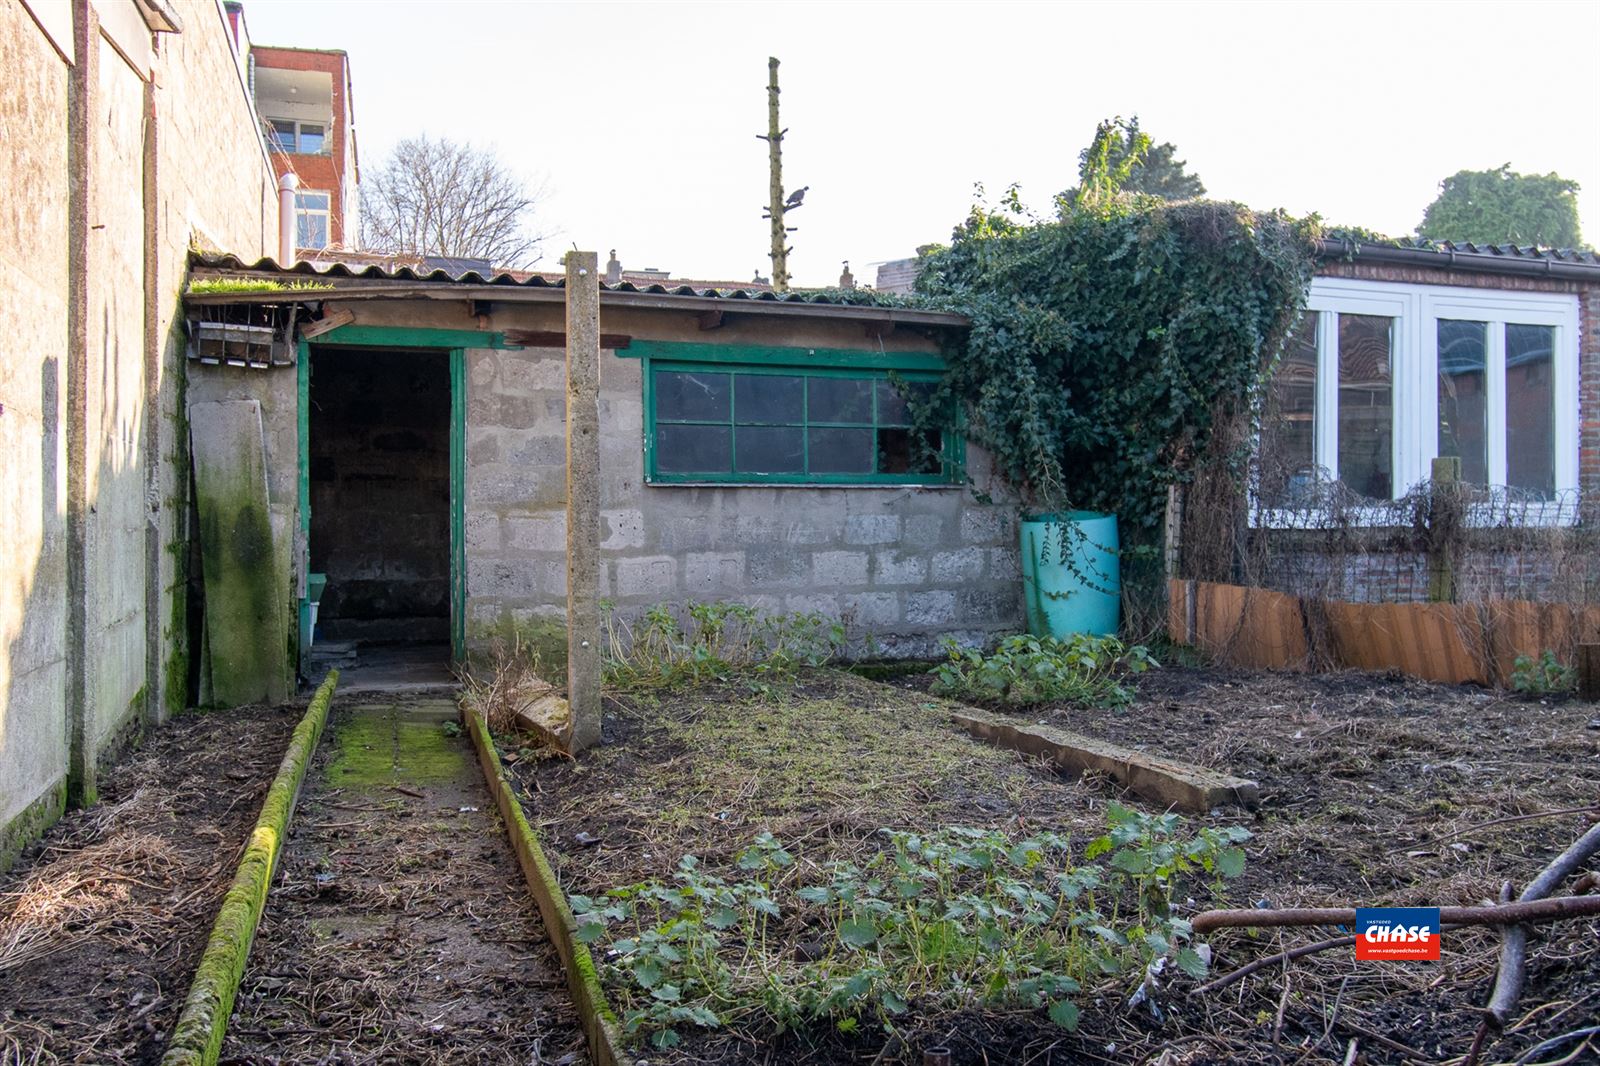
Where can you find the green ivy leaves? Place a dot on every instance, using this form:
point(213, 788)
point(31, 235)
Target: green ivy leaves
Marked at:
point(1103, 345)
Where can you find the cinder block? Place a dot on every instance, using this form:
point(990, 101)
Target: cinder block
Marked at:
point(623, 529)
point(870, 609)
point(1005, 564)
point(899, 568)
point(923, 531)
point(935, 608)
point(712, 573)
point(1000, 604)
point(963, 564)
point(546, 532)
point(871, 529)
point(985, 525)
point(522, 450)
point(839, 569)
point(779, 567)
point(813, 603)
point(483, 532)
point(649, 575)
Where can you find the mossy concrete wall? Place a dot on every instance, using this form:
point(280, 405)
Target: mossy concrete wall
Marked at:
point(155, 146)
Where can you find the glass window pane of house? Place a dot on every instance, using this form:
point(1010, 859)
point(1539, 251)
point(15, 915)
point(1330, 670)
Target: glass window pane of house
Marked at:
point(692, 396)
point(694, 449)
point(312, 138)
point(282, 134)
point(840, 400)
point(1288, 431)
point(893, 406)
point(769, 398)
point(1463, 401)
point(1530, 409)
point(311, 229)
point(769, 450)
point(840, 450)
point(902, 450)
point(1366, 405)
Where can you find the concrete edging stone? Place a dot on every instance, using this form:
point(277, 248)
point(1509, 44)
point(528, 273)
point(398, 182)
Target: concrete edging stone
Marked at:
point(197, 1038)
point(600, 1026)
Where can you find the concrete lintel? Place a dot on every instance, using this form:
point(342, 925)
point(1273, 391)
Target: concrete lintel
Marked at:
point(1165, 781)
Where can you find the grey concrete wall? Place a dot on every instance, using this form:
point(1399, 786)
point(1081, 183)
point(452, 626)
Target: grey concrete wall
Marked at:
point(902, 566)
point(171, 154)
point(33, 350)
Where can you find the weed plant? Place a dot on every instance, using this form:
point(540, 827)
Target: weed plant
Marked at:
point(1544, 676)
point(1028, 669)
point(932, 921)
point(717, 641)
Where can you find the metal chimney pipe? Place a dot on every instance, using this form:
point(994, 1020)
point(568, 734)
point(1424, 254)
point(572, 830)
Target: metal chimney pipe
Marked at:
point(287, 184)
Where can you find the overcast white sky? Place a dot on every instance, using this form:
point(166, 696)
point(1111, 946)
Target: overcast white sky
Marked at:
point(640, 119)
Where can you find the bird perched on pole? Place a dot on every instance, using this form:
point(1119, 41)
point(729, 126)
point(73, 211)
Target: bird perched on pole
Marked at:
point(796, 198)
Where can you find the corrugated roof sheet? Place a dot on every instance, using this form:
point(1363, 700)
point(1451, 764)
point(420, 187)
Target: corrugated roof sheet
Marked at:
point(335, 272)
point(1508, 252)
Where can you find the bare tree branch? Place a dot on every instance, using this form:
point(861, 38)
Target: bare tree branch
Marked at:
point(441, 197)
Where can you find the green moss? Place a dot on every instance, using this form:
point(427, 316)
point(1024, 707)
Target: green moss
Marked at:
point(205, 286)
point(197, 1039)
point(542, 640)
point(583, 977)
point(383, 746)
point(30, 823)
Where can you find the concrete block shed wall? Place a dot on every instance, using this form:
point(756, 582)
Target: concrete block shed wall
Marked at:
point(904, 565)
point(121, 150)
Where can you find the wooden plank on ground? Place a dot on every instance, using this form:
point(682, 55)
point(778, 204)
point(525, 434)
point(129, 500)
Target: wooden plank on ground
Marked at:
point(1164, 781)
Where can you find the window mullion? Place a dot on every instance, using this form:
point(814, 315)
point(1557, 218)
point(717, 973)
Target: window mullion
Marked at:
point(1497, 403)
point(1327, 420)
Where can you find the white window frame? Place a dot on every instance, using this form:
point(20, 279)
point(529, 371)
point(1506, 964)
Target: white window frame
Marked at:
point(327, 135)
point(1414, 367)
point(325, 212)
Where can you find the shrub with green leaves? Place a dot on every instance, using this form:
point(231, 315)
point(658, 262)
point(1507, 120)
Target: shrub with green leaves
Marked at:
point(1029, 669)
point(929, 922)
point(1106, 344)
point(715, 642)
point(1544, 676)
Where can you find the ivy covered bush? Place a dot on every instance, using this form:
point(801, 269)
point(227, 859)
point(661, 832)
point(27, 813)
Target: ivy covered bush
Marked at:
point(1107, 342)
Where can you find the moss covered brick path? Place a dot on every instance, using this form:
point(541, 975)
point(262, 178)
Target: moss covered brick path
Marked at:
point(400, 929)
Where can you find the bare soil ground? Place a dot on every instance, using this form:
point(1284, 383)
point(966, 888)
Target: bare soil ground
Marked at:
point(399, 930)
point(102, 923)
point(1375, 791)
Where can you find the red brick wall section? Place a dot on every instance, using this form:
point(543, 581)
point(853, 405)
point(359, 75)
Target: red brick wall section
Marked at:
point(1588, 343)
point(317, 171)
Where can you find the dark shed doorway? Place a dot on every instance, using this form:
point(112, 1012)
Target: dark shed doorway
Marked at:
point(379, 473)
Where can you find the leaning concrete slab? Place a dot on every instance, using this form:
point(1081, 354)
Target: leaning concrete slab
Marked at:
point(246, 603)
point(1164, 781)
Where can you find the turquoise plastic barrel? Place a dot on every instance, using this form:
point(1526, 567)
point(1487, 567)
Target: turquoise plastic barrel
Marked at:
point(1071, 573)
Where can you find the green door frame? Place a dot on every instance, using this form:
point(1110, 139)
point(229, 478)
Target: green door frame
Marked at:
point(454, 341)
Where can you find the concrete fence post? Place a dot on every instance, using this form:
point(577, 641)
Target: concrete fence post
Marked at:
point(583, 498)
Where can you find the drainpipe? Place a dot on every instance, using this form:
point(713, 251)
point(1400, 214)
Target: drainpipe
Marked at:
point(287, 184)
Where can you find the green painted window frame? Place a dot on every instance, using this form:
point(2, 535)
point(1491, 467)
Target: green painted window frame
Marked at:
point(804, 363)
